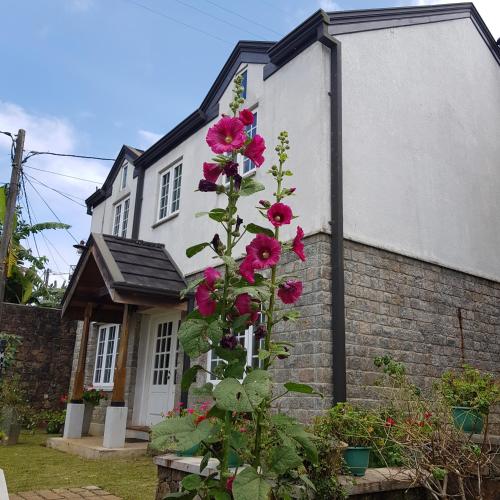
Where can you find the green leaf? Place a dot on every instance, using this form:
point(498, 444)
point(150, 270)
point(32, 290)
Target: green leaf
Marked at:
point(220, 495)
point(256, 229)
point(240, 323)
point(218, 214)
point(191, 482)
point(263, 354)
point(195, 336)
point(250, 485)
point(204, 460)
point(250, 186)
point(231, 354)
point(189, 377)
point(191, 286)
point(302, 388)
point(196, 249)
point(185, 495)
point(284, 458)
point(234, 370)
point(231, 395)
point(200, 214)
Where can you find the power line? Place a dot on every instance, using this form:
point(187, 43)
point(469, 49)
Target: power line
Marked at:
point(36, 153)
point(70, 197)
point(173, 19)
point(63, 175)
point(228, 23)
point(52, 211)
point(23, 184)
point(243, 17)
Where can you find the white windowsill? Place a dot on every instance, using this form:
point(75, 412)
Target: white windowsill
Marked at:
point(165, 219)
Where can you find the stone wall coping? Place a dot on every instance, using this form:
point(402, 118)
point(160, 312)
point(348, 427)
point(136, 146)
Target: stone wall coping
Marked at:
point(190, 465)
point(378, 480)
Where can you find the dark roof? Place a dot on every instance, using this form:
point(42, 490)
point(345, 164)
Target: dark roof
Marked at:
point(276, 54)
point(126, 153)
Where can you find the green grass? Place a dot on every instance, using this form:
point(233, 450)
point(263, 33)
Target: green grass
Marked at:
point(29, 465)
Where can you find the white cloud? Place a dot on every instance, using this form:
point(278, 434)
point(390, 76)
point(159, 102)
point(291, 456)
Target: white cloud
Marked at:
point(489, 10)
point(328, 5)
point(147, 138)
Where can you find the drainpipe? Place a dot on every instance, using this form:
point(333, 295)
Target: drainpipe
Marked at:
point(337, 228)
point(138, 204)
point(186, 362)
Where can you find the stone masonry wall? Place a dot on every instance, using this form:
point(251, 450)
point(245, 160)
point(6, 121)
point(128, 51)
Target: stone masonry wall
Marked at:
point(99, 414)
point(410, 309)
point(43, 359)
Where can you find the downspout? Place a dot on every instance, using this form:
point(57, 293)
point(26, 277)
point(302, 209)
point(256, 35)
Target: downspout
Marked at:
point(136, 223)
point(337, 228)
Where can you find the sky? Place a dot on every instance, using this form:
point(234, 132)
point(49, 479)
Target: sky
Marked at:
point(87, 76)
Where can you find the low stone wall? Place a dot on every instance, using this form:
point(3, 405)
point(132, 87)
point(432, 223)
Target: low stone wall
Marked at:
point(44, 357)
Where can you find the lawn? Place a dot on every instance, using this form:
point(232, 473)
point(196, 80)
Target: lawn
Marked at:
point(29, 465)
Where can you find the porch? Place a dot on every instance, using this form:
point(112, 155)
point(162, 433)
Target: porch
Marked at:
point(128, 288)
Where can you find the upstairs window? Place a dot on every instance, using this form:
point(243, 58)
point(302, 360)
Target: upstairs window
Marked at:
point(120, 221)
point(251, 130)
point(123, 180)
point(170, 192)
point(107, 346)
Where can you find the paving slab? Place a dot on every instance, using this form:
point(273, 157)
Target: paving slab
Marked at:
point(64, 493)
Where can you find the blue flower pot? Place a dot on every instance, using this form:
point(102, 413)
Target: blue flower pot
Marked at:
point(357, 459)
point(467, 419)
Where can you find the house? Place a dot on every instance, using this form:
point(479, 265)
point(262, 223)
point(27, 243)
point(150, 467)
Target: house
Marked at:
point(394, 121)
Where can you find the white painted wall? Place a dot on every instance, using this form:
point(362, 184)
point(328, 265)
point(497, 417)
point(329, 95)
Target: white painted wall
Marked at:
point(294, 98)
point(421, 144)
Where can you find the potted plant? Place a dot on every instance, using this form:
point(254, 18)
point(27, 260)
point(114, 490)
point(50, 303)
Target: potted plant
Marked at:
point(91, 397)
point(356, 427)
point(12, 407)
point(470, 394)
point(55, 421)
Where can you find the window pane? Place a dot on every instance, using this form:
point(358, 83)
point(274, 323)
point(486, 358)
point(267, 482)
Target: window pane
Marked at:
point(124, 175)
point(165, 186)
point(99, 355)
point(108, 363)
point(244, 84)
point(116, 223)
point(176, 192)
point(126, 205)
point(251, 130)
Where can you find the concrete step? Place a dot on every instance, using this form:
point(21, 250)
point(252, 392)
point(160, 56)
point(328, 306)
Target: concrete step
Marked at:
point(137, 432)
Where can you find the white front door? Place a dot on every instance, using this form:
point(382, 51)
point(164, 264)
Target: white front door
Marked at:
point(164, 354)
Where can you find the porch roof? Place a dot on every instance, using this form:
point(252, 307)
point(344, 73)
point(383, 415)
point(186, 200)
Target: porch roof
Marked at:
point(113, 271)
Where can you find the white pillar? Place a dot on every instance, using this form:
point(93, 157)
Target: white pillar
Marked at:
point(73, 423)
point(115, 427)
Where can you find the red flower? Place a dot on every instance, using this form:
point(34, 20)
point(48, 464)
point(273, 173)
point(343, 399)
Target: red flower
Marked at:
point(199, 419)
point(64, 398)
point(297, 245)
point(427, 415)
point(206, 304)
point(206, 186)
point(421, 423)
point(190, 411)
point(247, 270)
point(229, 483)
point(243, 304)
point(263, 252)
point(279, 214)
point(211, 171)
point(255, 149)
point(246, 117)
point(389, 422)
point(226, 135)
point(211, 276)
point(290, 291)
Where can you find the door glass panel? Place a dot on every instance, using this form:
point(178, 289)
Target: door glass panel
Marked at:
point(162, 354)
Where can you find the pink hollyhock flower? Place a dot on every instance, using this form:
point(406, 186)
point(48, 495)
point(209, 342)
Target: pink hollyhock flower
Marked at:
point(190, 411)
point(263, 252)
point(247, 270)
point(297, 245)
point(290, 291)
point(279, 214)
point(226, 135)
point(211, 276)
point(243, 304)
point(229, 483)
point(255, 149)
point(206, 304)
point(211, 171)
point(246, 117)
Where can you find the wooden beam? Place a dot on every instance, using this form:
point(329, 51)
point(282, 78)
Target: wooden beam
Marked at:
point(77, 394)
point(118, 397)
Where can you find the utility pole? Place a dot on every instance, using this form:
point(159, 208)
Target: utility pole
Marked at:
point(10, 210)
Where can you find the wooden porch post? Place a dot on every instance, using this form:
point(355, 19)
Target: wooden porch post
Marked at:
point(118, 397)
point(77, 393)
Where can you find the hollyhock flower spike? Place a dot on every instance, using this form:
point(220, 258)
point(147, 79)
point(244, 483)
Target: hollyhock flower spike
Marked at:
point(298, 246)
point(263, 252)
point(203, 295)
point(247, 270)
point(255, 149)
point(290, 291)
point(245, 305)
point(211, 171)
point(211, 276)
point(279, 214)
point(246, 117)
point(226, 135)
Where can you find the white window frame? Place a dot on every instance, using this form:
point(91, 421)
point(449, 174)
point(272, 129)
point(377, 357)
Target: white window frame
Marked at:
point(248, 344)
point(246, 161)
point(101, 356)
point(124, 175)
point(121, 215)
point(168, 206)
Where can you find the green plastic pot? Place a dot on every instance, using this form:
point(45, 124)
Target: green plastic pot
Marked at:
point(234, 460)
point(467, 419)
point(190, 452)
point(356, 459)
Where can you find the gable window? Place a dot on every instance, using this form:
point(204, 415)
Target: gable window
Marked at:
point(244, 83)
point(107, 345)
point(120, 220)
point(170, 192)
point(123, 181)
point(251, 130)
point(249, 342)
